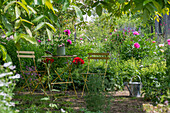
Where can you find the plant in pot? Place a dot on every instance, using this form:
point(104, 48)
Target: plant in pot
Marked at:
point(62, 41)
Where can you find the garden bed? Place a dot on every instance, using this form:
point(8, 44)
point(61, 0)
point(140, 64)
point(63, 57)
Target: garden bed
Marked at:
point(120, 103)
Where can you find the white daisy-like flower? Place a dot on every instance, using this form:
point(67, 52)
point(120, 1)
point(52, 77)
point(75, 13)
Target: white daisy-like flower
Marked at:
point(4, 74)
point(7, 64)
point(62, 110)
point(12, 67)
point(14, 77)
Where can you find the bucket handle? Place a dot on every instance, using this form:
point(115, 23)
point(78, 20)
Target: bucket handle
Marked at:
point(135, 76)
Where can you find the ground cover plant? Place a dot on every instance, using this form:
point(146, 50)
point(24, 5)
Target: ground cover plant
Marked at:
point(118, 28)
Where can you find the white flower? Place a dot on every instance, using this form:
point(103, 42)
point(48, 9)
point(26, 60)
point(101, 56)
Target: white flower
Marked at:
point(4, 74)
point(81, 42)
point(62, 110)
point(154, 52)
point(12, 67)
point(141, 66)
point(162, 50)
point(14, 77)
point(161, 45)
point(7, 64)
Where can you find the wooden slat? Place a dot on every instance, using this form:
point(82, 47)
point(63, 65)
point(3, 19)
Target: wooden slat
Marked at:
point(26, 56)
point(98, 57)
point(61, 82)
point(26, 52)
point(98, 53)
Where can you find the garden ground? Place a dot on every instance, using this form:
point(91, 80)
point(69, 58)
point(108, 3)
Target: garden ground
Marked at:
point(120, 103)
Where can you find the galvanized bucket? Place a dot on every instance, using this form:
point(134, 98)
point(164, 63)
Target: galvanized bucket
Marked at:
point(61, 50)
point(135, 87)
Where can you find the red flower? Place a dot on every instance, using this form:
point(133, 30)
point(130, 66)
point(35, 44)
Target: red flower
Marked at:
point(78, 60)
point(49, 59)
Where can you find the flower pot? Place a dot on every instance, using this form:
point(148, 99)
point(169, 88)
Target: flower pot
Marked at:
point(61, 50)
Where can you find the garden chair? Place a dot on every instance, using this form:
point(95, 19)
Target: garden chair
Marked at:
point(97, 57)
point(28, 73)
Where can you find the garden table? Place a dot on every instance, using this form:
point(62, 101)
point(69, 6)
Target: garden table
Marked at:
point(68, 68)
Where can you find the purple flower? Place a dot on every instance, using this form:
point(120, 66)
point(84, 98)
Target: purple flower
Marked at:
point(48, 39)
point(168, 43)
point(166, 102)
point(3, 36)
point(168, 40)
point(68, 32)
point(135, 33)
point(69, 41)
point(39, 41)
point(11, 37)
point(136, 45)
point(81, 38)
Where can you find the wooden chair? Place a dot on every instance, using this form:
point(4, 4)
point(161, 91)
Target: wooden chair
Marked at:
point(97, 57)
point(27, 73)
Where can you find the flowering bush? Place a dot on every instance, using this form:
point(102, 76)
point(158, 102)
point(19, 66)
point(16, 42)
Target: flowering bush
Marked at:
point(78, 61)
point(64, 39)
point(7, 85)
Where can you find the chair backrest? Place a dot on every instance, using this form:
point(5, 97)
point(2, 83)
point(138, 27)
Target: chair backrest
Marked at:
point(26, 54)
point(98, 56)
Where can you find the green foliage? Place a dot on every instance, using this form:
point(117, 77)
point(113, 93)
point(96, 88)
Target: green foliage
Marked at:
point(95, 98)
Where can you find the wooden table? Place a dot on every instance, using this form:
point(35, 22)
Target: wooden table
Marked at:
point(68, 68)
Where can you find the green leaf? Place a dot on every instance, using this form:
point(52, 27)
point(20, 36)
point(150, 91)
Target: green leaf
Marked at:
point(145, 15)
point(38, 18)
point(23, 20)
point(28, 31)
point(28, 38)
point(127, 7)
point(17, 12)
point(51, 26)
point(50, 6)
point(50, 35)
point(3, 52)
point(147, 1)
point(45, 98)
point(150, 7)
point(8, 5)
point(39, 26)
point(89, 13)
point(165, 1)
point(95, 4)
point(16, 37)
point(66, 5)
point(121, 1)
point(32, 9)
point(23, 1)
point(6, 23)
point(78, 12)
point(99, 10)
point(17, 24)
point(23, 6)
point(156, 4)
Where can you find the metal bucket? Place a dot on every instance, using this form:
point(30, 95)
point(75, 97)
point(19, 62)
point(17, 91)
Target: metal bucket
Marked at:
point(61, 50)
point(135, 87)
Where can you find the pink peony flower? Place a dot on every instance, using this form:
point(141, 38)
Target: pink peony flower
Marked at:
point(168, 43)
point(81, 38)
point(136, 45)
point(135, 33)
point(39, 41)
point(168, 40)
point(105, 39)
point(153, 41)
point(68, 32)
point(69, 41)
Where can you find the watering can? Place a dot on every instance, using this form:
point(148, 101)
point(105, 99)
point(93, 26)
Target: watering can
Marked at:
point(135, 87)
